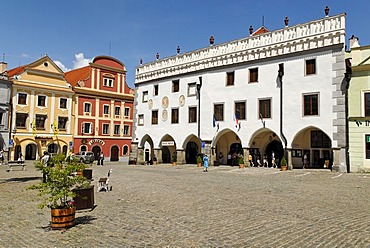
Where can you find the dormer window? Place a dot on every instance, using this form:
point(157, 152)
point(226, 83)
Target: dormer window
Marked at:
point(108, 80)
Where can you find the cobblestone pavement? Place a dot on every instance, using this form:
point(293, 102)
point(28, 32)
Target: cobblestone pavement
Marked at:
point(182, 206)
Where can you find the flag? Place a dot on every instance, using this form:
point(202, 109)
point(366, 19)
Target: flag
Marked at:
point(236, 121)
point(55, 128)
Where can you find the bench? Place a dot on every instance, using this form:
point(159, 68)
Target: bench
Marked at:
point(16, 163)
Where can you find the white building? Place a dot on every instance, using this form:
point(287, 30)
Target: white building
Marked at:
point(243, 78)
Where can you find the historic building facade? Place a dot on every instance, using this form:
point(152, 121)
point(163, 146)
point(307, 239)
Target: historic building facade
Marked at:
point(272, 92)
point(41, 117)
point(5, 109)
point(359, 106)
point(103, 109)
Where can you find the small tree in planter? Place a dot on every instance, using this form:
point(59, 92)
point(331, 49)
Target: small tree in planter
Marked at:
point(174, 158)
point(199, 161)
point(283, 164)
point(241, 161)
point(57, 190)
point(154, 160)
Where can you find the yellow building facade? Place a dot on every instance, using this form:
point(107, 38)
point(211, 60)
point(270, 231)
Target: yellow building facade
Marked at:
point(41, 118)
point(359, 107)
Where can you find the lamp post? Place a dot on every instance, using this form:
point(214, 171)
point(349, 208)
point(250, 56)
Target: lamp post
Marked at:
point(199, 86)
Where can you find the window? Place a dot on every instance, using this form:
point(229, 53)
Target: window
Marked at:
point(192, 89)
point(192, 114)
point(106, 109)
point(253, 75)
point(22, 98)
point(108, 82)
point(20, 120)
point(127, 112)
point(310, 66)
point(175, 85)
point(296, 153)
point(126, 130)
point(117, 110)
point(125, 150)
point(116, 129)
point(320, 140)
point(62, 123)
point(87, 127)
point(367, 104)
point(265, 108)
point(87, 107)
point(218, 112)
point(229, 78)
point(154, 117)
point(141, 120)
point(174, 115)
point(367, 140)
point(240, 110)
point(63, 103)
point(40, 121)
point(41, 101)
point(105, 128)
point(311, 106)
point(145, 96)
point(155, 91)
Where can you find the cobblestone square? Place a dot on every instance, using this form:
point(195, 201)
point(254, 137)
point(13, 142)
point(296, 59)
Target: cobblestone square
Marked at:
point(182, 206)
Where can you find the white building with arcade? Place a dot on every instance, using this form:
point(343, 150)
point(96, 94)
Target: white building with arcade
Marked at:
point(274, 91)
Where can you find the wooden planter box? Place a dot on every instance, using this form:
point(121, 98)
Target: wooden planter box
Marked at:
point(84, 198)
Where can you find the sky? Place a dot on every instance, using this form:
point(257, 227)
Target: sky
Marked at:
point(73, 32)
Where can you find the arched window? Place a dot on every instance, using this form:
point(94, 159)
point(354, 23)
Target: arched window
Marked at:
point(125, 150)
point(83, 148)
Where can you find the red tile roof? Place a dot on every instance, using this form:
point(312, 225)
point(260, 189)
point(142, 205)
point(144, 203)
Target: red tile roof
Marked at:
point(259, 31)
point(16, 71)
point(74, 76)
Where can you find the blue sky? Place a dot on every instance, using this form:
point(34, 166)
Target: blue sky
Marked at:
point(72, 32)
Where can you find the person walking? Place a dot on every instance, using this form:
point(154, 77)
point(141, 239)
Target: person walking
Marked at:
point(101, 159)
point(205, 163)
point(305, 161)
point(45, 161)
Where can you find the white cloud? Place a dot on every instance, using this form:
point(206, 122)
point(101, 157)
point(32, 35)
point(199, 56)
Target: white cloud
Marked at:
point(80, 61)
point(61, 66)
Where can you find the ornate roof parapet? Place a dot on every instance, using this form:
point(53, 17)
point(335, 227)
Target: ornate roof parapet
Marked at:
point(320, 33)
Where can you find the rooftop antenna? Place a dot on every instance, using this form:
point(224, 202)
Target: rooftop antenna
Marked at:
point(3, 57)
point(263, 21)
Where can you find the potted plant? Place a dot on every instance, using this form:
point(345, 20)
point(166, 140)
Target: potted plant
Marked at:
point(199, 161)
point(283, 164)
point(154, 160)
point(58, 189)
point(174, 158)
point(241, 161)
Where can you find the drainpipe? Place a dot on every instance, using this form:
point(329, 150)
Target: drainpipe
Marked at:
point(347, 78)
point(199, 86)
point(280, 75)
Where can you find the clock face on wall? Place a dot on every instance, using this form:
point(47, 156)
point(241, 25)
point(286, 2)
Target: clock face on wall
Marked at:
point(150, 103)
point(164, 115)
point(165, 102)
point(182, 100)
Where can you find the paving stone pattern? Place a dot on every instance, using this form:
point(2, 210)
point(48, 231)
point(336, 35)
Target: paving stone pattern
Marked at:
point(182, 206)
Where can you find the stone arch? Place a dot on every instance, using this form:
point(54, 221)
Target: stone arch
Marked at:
point(168, 147)
point(316, 144)
point(192, 147)
point(226, 142)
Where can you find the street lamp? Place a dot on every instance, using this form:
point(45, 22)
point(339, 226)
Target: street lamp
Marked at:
point(199, 86)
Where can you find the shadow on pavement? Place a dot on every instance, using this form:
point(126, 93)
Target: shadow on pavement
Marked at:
point(20, 179)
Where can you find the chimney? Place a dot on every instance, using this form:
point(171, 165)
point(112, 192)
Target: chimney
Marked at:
point(3, 67)
point(353, 42)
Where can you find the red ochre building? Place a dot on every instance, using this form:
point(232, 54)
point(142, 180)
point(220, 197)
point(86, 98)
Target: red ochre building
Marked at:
point(103, 109)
